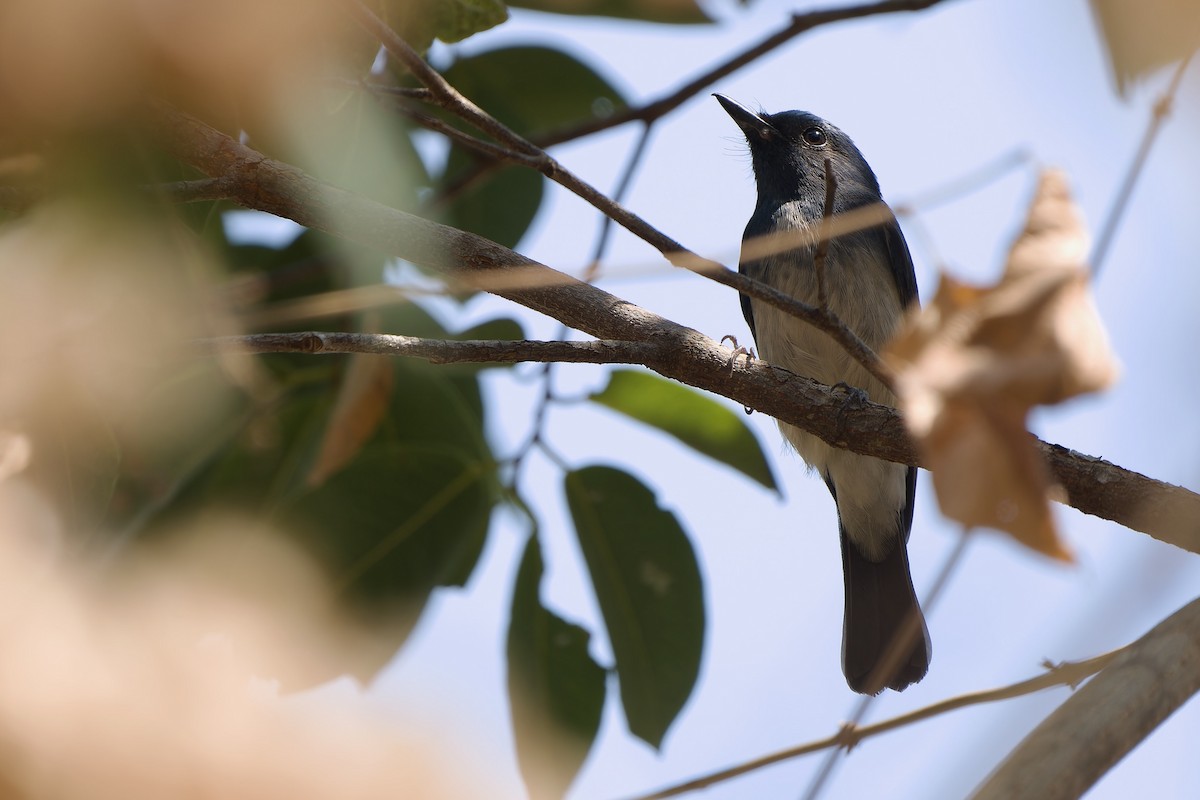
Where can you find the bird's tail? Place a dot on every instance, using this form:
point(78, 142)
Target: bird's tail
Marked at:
point(885, 643)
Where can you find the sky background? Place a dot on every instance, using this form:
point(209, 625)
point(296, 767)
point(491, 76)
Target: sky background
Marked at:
point(928, 98)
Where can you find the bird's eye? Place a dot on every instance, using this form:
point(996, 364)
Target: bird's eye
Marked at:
point(814, 136)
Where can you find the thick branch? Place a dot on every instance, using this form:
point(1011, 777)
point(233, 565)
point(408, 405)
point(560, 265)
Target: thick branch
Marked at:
point(1095, 487)
point(1115, 712)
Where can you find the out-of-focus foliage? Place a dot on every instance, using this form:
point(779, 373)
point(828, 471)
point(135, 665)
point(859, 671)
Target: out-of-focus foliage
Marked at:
point(375, 478)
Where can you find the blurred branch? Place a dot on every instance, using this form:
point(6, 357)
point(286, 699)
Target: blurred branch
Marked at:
point(1158, 115)
point(533, 156)
point(1094, 486)
point(1066, 674)
point(1065, 755)
point(436, 351)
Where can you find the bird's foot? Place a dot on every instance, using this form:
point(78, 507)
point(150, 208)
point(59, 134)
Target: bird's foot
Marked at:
point(854, 400)
point(855, 397)
point(738, 350)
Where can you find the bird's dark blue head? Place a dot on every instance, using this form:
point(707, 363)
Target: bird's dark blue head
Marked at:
point(788, 151)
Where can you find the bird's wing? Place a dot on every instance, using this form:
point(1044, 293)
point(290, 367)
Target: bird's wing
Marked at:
point(901, 262)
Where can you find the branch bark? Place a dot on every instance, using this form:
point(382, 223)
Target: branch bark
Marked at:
point(1115, 712)
point(435, 351)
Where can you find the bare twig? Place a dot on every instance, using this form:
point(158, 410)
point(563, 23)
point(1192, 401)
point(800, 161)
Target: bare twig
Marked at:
point(1066, 674)
point(626, 180)
point(1162, 109)
point(435, 351)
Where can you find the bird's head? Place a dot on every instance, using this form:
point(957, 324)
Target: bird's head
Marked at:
point(788, 151)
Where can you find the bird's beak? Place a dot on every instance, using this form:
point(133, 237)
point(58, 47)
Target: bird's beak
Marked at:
point(752, 124)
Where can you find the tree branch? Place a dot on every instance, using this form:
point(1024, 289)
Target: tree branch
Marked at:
point(1115, 712)
point(1168, 513)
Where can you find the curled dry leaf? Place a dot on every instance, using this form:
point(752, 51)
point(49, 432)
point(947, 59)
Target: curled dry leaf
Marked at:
point(973, 363)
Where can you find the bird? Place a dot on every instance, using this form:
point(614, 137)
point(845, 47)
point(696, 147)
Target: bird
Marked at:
point(869, 284)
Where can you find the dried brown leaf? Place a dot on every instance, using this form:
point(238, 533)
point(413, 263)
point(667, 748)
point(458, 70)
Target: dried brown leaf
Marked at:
point(972, 363)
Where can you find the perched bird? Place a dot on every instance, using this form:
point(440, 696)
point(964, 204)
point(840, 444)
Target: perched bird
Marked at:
point(869, 282)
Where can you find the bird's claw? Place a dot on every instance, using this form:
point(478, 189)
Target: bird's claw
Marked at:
point(855, 397)
point(738, 350)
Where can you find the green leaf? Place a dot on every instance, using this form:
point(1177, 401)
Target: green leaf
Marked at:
point(399, 521)
point(693, 418)
point(421, 21)
point(499, 329)
point(500, 208)
point(671, 11)
point(556, 689)
point(648, 584)
point(534, 89)
point(458, 19)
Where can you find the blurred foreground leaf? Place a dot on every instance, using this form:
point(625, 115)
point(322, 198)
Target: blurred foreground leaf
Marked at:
point(972, 363)
point(648, 584)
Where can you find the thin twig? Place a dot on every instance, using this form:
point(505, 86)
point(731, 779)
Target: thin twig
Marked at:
point(1162, 109)
point(956, 188)
point(1069, 674)
point(626, 180)
point(436, 351)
